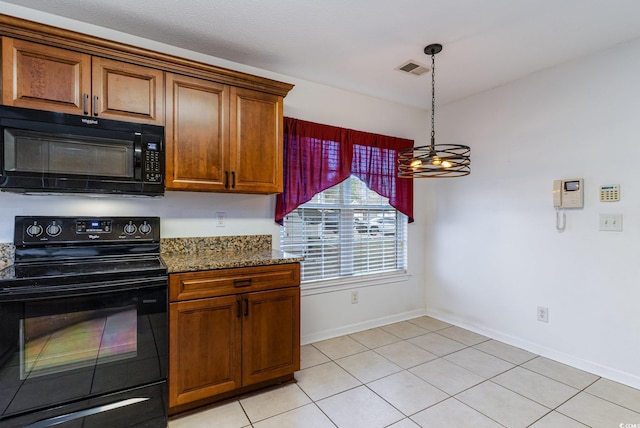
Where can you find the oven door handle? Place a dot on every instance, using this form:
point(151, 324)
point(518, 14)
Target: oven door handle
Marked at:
point(86, 412)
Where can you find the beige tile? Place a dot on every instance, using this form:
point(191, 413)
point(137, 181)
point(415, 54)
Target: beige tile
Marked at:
point(596, 412)
point(339, 347)
point(228, 415)
point(404, 329)
point(405, 423)
point(506, 352)
point(453, 414)
point(375, 338)
point(437, 344)
point(368, 366)
point(359, 408)
point(324, 380)
point(462, 335)
point(274, 402)
point(407, 392)
point(446, 376)
point(557, 420)
point(429, 323)
point(561, 372)
point(478, 362)
point(546, 391)
point(617, 393)
point(406, 354)
point(310, 356)
point(309, 416)
point(501, 405)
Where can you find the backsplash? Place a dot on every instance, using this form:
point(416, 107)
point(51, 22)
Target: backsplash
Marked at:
point(7, 252)
point(215, 243)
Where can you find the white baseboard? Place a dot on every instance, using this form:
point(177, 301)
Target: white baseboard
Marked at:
point(553, 354)
point(365, 325)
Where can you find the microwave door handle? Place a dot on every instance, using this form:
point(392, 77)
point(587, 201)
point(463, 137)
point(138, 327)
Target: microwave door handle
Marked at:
point(85, 103)
point(137, 156)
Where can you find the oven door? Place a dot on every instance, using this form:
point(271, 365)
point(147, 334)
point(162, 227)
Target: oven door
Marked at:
point(80, 346)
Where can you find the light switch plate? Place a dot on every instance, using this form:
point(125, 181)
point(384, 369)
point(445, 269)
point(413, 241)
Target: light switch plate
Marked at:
point(611, 222)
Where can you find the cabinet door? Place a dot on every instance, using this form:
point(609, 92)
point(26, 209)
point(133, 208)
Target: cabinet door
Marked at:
point(255, 142)
point(124, 91)
point(204, 348)
point(43, 77)
point(270, 334)
point(196, 134)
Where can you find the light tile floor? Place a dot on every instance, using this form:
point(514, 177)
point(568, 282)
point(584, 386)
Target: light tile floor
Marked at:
point(427, 373)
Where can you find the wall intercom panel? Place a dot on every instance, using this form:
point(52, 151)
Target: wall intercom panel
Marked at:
point(568, 193)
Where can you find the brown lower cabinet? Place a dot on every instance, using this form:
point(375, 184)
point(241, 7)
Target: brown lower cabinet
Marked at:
point(230, 331)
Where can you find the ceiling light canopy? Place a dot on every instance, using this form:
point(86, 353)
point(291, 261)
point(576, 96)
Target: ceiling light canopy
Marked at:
point(434, 160)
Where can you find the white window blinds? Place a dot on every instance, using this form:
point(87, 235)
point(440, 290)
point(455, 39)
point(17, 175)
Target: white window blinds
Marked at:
point(346, 230)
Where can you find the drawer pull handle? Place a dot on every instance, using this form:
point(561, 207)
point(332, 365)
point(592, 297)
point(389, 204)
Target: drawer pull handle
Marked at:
point(241, 282)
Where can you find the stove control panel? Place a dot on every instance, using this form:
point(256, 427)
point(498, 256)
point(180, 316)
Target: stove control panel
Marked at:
point(73, 230)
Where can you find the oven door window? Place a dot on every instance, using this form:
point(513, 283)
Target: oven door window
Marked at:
point(32, 151)
point(60, 342)
point(66, 349)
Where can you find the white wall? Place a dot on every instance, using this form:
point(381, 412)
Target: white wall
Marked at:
point(192, 214)
point(496, 255)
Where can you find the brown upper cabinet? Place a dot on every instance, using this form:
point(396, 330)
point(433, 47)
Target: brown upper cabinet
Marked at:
point(223, 127)
point(222, 138)
point(49, 78)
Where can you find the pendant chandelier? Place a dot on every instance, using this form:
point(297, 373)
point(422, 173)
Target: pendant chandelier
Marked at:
point(434, 160)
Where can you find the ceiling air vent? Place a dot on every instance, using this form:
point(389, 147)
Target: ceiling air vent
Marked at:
point(413, 67)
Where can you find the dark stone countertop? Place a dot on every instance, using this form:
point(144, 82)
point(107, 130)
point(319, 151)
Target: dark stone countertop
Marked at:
point(223, 259)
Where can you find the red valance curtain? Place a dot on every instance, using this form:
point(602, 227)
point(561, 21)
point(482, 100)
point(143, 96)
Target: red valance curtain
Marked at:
point(318, 156)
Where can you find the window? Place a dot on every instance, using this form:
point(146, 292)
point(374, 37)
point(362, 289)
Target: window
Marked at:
point(344, 231)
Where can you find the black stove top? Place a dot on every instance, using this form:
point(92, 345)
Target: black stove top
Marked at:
point(83, 251)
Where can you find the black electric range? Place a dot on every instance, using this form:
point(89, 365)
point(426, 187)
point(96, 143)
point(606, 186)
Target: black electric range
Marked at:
point(83, 324)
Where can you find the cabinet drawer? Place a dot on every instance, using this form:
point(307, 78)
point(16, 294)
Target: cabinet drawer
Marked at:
point(221, 282)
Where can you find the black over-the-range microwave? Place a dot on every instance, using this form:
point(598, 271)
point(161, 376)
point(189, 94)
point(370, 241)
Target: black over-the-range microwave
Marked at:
point(49, 152)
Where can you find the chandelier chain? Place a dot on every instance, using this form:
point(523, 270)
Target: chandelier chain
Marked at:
point(433, 98)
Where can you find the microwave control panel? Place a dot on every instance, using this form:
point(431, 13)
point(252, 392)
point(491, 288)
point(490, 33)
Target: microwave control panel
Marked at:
point(152, 162)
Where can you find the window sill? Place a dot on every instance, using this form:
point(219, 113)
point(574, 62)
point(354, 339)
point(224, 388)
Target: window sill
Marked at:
point(340, 284)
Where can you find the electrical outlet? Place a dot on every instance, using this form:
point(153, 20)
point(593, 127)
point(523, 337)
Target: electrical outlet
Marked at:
point(354, 297)
point(543, 314)
point(220, 219)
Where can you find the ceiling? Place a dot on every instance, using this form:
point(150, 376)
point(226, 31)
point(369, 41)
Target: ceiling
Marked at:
point(357, 44)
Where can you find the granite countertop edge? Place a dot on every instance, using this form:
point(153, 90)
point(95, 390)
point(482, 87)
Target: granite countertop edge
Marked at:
point(225, 259)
